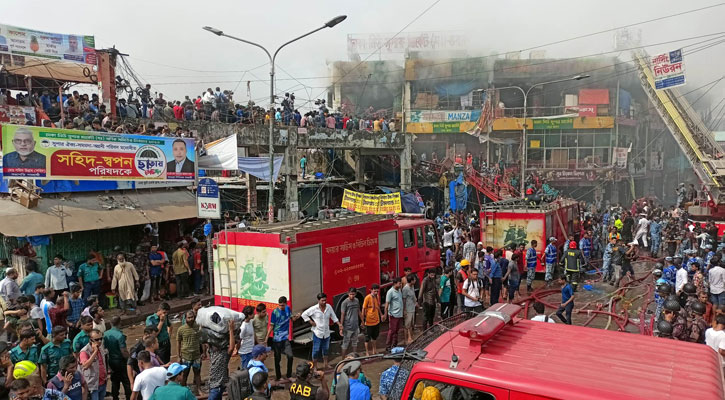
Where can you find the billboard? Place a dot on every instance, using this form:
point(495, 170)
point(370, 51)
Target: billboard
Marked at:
point(371, 203)
point(390, 43)
point(62, 154)
point(668, 70)
point(19, 42)
point(207, 199)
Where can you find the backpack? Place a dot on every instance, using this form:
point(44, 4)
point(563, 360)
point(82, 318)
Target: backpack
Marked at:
point(239, 386)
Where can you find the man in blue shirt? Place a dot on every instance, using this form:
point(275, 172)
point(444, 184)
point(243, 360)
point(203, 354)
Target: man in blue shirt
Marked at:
point(31, 281)
point(388, 376)
point(90, 274)
point(279, 326)
point(156, 262)
point(531, 266)
point(567, 301)
point(358, 390)
point(670, 271)
point(495, 276)
point(585, 245)
point(25, 155)
point(655, 232)
point(550, 254)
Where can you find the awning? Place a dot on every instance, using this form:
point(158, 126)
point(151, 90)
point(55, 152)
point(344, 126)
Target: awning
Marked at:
point(84, 212)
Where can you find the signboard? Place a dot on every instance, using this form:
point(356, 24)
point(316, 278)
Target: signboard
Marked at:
point(553, 123)
point(620, 157)
point(17, 114)
point(668, 70)
point(62, 154)
point(447, 127)
point(26, 42)
point(579, 175)
point(588, 111)
point(444, 116)
point(207, 199)
point(372, 203)
point(398, 43)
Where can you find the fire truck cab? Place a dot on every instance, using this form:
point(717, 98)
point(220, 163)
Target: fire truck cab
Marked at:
point(298, 261)
point(495, 355)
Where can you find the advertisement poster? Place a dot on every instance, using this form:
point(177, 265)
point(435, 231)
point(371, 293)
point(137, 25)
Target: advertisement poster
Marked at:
point(26, 42)
point(262, 274)
point(207, 199)
point(371, 203)
point(61, 154)
point(513, 230)
point(17, 114)
point(668, 70)
point(620, 157)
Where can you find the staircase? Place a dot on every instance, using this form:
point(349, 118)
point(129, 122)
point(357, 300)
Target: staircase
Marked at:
point(488, 188)
point(696, 141)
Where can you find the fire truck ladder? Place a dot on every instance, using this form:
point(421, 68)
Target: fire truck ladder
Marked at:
point(696, 141)
point(227, 270)
point(487, 187)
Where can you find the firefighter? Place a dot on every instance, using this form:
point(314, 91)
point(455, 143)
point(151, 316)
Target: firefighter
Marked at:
point(697, 325)
point(530, 266)
point(550, 259)
point(672, 315)
point(572, 260)
point(664, 329)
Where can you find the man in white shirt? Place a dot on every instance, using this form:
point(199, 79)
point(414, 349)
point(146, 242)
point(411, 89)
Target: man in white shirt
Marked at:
point(319, 317)
point(472, 291)
point(680, 278)
point(150, 377)
point(642, 229)
point(55, 276)
point(716, 277)
point(715, 336)
point(9, 289)
point(540, 316)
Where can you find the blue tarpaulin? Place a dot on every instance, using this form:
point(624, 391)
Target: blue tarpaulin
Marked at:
point(458, 194)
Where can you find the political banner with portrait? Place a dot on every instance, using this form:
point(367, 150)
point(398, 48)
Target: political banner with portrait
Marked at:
point(62, 154)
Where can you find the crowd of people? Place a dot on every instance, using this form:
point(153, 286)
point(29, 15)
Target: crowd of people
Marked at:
point(83, 112)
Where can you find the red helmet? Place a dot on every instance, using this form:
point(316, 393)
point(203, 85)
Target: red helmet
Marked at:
point(572, 245)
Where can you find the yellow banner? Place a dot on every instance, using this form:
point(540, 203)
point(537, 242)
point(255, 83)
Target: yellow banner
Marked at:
point(371, 203)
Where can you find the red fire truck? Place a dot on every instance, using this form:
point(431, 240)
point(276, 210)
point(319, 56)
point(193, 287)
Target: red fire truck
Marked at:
point(517, 221)
point(495, 355)
point(298, 261)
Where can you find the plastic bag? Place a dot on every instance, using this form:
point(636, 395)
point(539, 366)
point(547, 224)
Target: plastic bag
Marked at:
point(146, 290)
point(216, 319)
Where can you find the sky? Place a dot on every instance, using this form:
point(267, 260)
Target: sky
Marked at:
point(168, 48)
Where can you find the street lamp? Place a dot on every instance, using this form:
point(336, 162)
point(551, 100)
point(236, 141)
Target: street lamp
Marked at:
point(218, 32)
point(522, 186)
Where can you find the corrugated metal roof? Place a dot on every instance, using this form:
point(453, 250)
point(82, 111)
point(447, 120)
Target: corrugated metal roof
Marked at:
point(571, 362)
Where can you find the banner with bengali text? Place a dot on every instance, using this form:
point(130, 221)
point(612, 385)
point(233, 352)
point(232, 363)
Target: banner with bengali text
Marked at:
point(62, 154)
point(372, 203)
point(20, 42)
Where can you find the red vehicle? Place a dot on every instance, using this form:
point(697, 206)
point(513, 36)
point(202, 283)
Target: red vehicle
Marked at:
point(496, 355)
point(299, 261)
point(517, 221)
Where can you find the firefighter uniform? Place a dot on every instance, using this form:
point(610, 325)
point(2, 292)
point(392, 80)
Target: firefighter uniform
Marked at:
point(573, 261)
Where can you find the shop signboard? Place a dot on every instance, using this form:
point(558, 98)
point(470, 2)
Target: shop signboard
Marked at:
point(668, 69)
point(207, 199)
point(553, 123)
point(61, 154)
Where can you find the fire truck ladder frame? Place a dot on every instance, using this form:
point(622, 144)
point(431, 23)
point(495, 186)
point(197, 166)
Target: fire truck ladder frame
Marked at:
point(226, 291)
point(694, 138)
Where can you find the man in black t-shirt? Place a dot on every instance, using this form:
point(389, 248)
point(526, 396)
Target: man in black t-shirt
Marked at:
point(132, 368)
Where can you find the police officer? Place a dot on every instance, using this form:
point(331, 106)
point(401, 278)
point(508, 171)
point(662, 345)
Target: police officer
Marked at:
point(689, 298)
point(585, 244)
point(664, 329)
point(607, 260)
point(697, 326)
point(672, 315)
point(573, 260)
point(660, 284)
point(670, 271)
point(655, 231)
point(302, 389)
point(710, 254)
point(531, 265)
point(550, 258)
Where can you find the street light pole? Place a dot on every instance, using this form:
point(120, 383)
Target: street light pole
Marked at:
point(522, 185)
point(328, 24)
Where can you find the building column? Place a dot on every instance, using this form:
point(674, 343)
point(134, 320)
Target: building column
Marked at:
point(291, 194)
point(251, 194)
point(359, 170)
point(406, 167)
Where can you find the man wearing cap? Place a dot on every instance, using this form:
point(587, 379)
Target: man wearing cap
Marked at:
point(173, 389)
point(550, 257)
point(669, 272)
point(256, 364)
point(357, 389)
point(572, 259)
point(302, 389)
point(531, 266)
